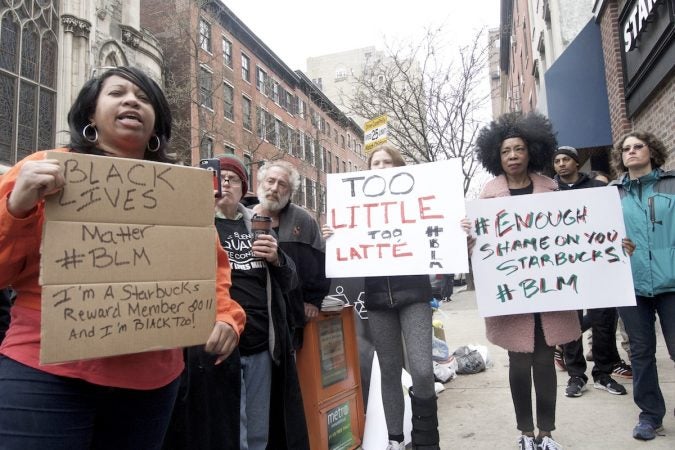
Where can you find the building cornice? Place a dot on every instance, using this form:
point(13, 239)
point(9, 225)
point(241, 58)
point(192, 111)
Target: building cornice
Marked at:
point(79, 27)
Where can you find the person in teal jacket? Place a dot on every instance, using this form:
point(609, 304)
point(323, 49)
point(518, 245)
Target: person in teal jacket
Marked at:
point(648, 202)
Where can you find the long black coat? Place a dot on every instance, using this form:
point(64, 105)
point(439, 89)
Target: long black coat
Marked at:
point(206, 414)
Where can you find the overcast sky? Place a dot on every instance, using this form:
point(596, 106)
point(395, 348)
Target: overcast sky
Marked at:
point(298, 29)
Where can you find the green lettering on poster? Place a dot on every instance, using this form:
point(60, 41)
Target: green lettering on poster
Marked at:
point(339, 428)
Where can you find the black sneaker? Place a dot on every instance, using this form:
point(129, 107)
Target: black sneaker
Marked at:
point(623, 370)
point(575, 386)
point(610, 385)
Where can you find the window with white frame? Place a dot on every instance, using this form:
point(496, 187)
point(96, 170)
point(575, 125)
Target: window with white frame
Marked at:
point(262, 125)
point(229, 148)
point(227, 52)
point(245, 67)
point(228, 101)
point(301, 145)
point(289, 102)
point(301, 108)
point(310, 198)
point(206, 148)
point(309, 149)
point(299, 196)
point(277, 132)
point(283, 98)
point(275, 92)
point(297, 147)
point(248, 165)
point(246, 112)
point(206, 87)
point(290, 140)
point(261, 80)
point(204, 35)
point(271, 127)
point(322, 197)
point(317, 154)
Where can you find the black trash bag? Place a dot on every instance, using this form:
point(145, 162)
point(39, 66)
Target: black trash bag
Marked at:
point(468, 361)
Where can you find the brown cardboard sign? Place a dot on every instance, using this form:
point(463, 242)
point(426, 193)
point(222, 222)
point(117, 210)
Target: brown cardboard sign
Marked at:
point(118, 190)
point(100, 252)
point(128, 259)
point(105, 319)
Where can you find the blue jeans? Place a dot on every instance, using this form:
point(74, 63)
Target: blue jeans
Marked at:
point(256, 386)
point(640, 325)
point(39, 410)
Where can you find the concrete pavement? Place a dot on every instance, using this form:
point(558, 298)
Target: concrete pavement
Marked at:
point(475, 411)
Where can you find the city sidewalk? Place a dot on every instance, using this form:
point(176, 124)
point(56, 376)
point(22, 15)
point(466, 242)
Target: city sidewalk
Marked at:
point(475, 411)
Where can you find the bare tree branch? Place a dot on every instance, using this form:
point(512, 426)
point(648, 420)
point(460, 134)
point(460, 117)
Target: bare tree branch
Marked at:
point(432, 104)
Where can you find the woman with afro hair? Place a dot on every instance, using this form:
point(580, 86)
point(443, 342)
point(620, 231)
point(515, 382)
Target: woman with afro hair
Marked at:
point(513, 148)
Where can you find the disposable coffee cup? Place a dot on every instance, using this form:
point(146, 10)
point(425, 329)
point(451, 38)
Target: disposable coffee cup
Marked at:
point(260, 225)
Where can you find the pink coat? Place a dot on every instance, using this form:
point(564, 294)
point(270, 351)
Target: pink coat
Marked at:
point(516, 332)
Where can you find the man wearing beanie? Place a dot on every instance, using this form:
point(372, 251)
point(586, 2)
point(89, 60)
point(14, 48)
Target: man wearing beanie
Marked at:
point(566, 165)
point(602, 321)
point(259, 380)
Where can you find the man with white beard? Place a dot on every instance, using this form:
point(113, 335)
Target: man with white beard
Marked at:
point(299, 237)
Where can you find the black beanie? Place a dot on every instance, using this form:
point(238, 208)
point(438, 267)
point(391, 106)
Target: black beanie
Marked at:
point(569, 151)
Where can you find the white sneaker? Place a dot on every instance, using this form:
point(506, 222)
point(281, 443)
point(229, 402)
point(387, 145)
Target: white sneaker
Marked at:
point(548, 444)
point(526, 443)
point(395, 445)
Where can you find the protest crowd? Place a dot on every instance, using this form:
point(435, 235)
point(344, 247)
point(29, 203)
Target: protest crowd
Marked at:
point(269, 266)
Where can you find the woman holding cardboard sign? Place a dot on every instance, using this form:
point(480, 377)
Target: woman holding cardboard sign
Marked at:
point(513, 148)
point(120, 402)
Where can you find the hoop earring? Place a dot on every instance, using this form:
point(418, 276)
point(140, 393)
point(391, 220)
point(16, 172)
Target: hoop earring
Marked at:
point(154, 148)
point(87, 134)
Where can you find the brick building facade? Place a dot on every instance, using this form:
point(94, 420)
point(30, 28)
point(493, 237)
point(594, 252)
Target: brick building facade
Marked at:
point(518, 91)
point(231, 94)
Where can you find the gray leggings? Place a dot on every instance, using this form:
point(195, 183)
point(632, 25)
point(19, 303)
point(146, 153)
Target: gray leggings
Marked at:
point(386, 326)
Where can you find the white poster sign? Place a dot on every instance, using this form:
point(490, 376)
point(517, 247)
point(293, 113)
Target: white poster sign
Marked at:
point(397, 221)
point(550, 252)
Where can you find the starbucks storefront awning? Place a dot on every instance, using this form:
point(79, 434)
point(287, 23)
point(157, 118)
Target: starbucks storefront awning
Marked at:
point(576, 92)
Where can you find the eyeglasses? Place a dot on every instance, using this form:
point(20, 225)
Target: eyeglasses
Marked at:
point(231, 181)
point(635, 147)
